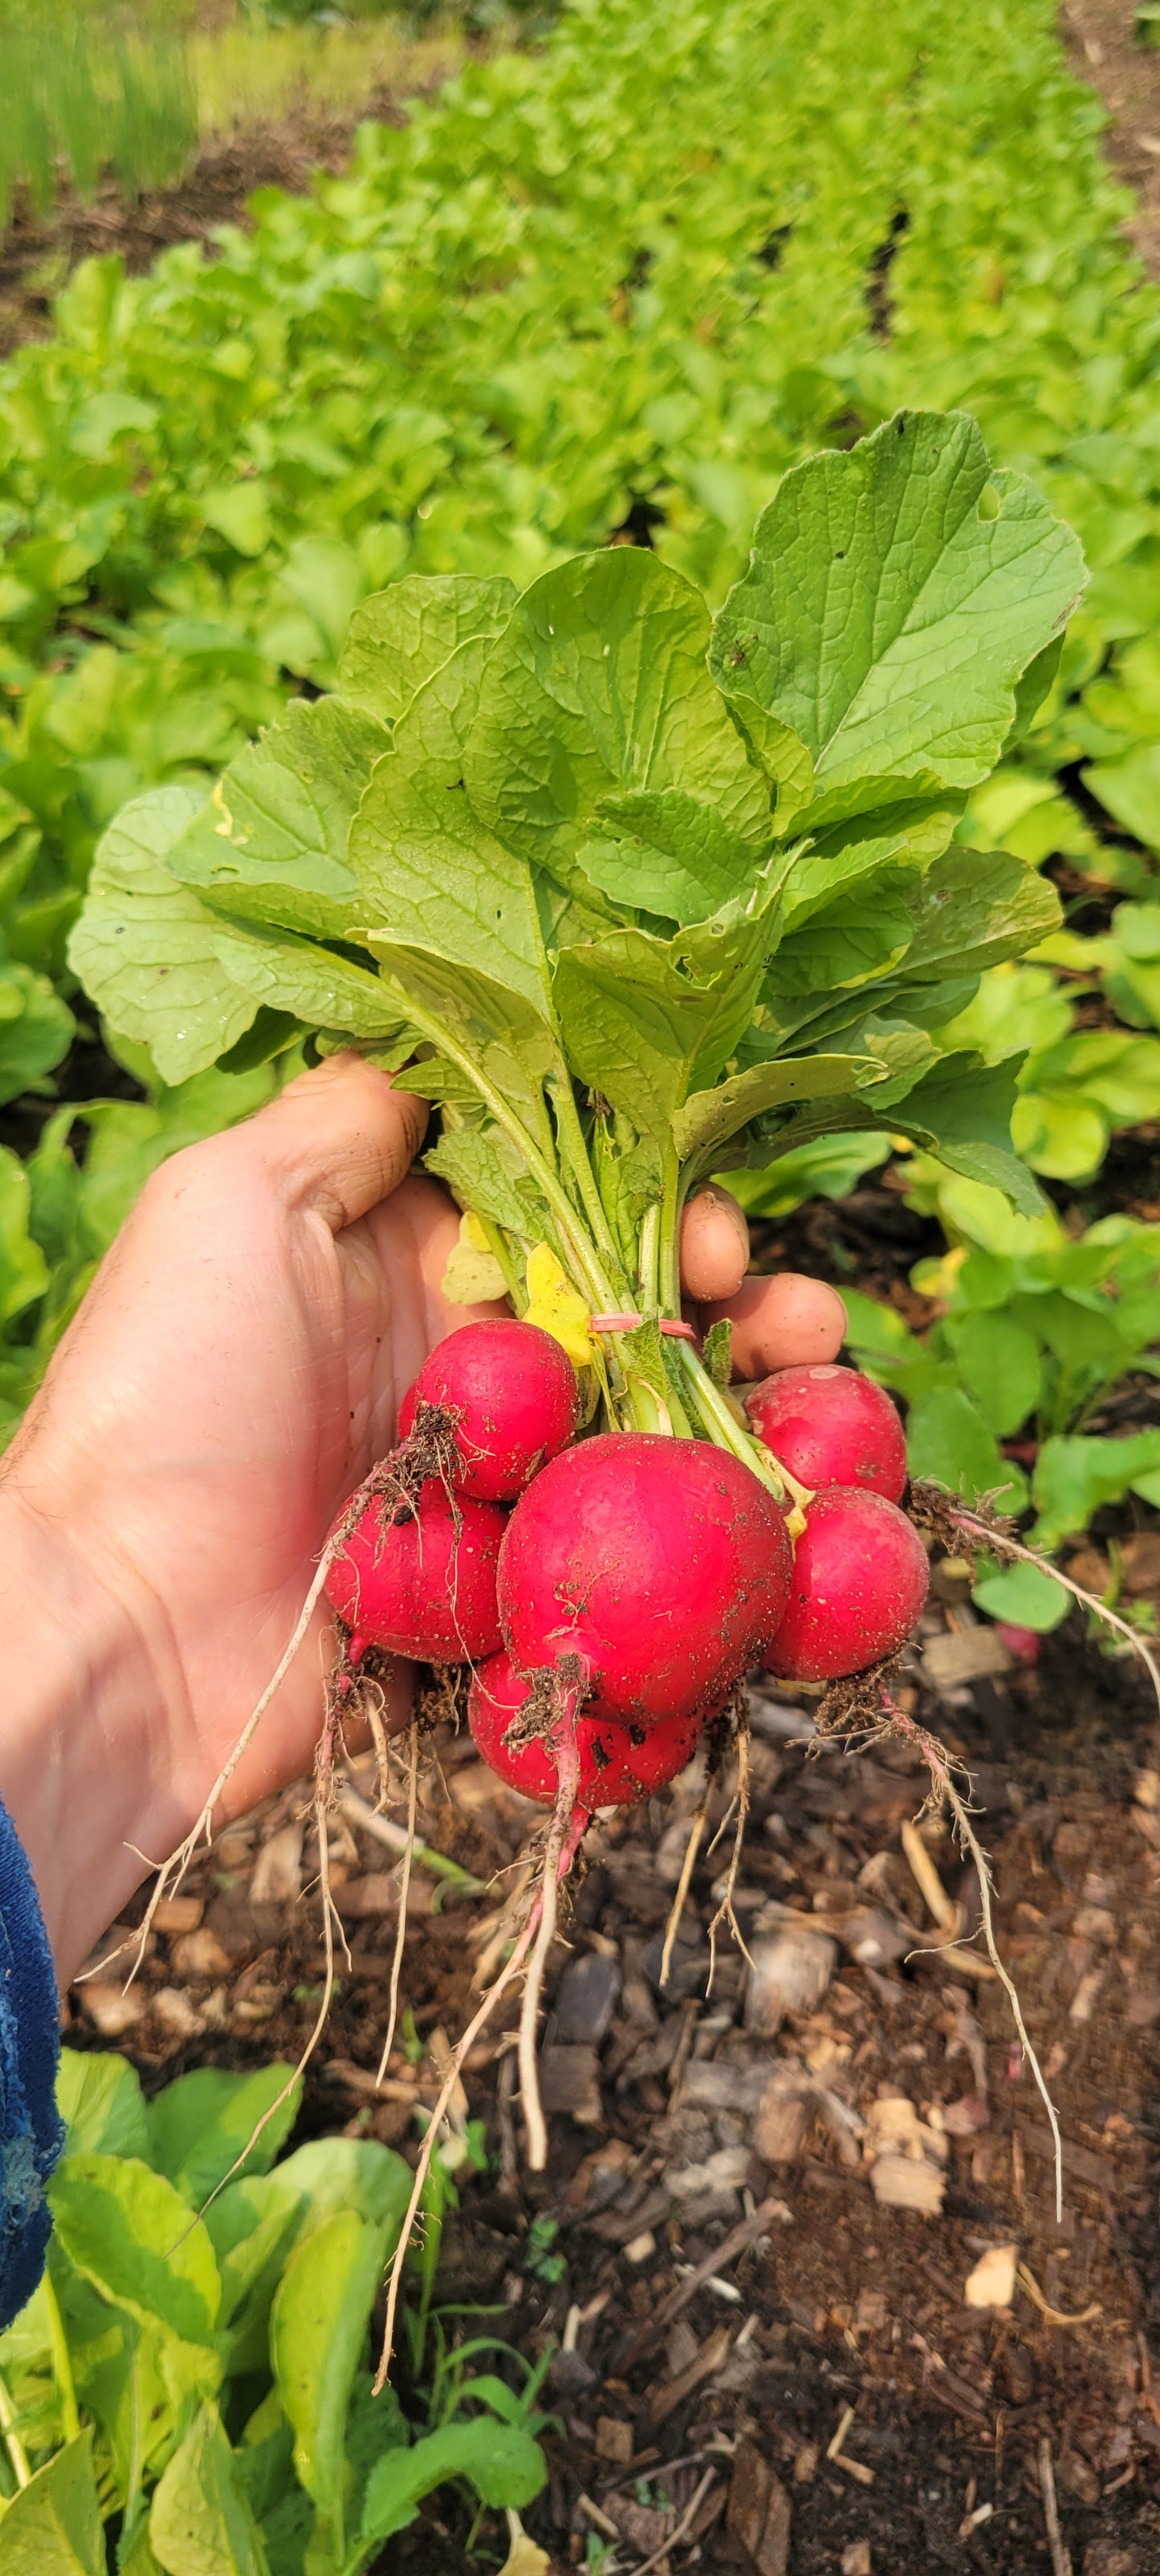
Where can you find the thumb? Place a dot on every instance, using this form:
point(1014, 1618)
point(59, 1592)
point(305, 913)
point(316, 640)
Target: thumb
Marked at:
point(339, 1139)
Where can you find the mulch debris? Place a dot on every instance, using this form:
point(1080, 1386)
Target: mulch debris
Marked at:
point(796, 2254)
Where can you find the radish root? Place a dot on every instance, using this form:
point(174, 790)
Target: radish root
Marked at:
point(404, 1893)
point(565, 1751)
point(725, 1911)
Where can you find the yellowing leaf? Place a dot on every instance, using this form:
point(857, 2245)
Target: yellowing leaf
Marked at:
point(556, 1306)
point(473, 1274)
point(526, 2559)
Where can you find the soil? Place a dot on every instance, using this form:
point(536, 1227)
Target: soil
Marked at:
point(664, 2139)
point(1108, 54)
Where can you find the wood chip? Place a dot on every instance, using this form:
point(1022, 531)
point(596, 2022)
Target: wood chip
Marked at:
point(758, 2512)
point(614, 2440)
point(277, 1878)
point(178, 2017)
point(673, 2392)
point(178, 1914)
point(964, 1656)
point(114, 2009)
point(201, 1954)
point(790, 1973)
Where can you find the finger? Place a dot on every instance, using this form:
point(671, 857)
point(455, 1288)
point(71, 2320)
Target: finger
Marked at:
point(714, 1244)
point(781, 1322)
point(339, 1139)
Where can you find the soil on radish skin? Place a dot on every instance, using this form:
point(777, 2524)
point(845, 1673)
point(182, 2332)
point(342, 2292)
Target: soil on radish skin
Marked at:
point(852, 2303)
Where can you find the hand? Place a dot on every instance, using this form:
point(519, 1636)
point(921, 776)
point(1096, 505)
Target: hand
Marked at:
point(233, 1374)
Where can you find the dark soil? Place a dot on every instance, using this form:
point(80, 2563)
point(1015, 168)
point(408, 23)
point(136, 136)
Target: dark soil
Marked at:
point(840, 2300)
point(1107, 54)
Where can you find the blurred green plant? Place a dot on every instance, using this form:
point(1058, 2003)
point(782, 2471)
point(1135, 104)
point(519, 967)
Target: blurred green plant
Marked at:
point(87, 90)
point(192, 2390)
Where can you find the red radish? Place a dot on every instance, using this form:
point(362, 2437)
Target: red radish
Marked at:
point(662, 1564)
point(714, 1244)
point(513, 1391)
point(830, 1426)
point(1025, 1644)
point(860, 1578)
point(779, 1323)
point(618, 1764)
point(424, 1584)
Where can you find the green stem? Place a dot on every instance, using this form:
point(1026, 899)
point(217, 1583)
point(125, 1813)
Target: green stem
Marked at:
point(722, 1425)
point(647, 1275)
point(571, 1136)
point(497, 1245)
point(668, 1251)
point(61, 2365)
point(591, 1276)
point(15, 2447)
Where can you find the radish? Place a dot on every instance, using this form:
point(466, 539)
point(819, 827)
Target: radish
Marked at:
point(419, 1577)
point(714, 1244)
point(830, 1426)
point(618, 1764)
point(513, 1394)
point(860, 1579)
point(781, 1323)
point(660, 1566)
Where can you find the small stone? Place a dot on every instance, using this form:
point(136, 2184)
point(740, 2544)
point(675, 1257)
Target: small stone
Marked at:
point(758, 2512)
point(200, 1954)
point(870, 1937)
point(791, 1973)
point(570, 2082)
point(614, 2440)
point(856, 2559)
point(1078, 2476)
point(992, 2283)
point(586, 1999)
point(871, 2312)
point(177, 2015)
point(1110, 2558)
point(640, 2247)
point(277, 1878)
point(114, 2009)
point(178, 1913)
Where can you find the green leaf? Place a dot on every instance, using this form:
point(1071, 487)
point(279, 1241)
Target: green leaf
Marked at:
point(485, 1026)
point(36, 1029)
point(24, 1272)
point(251, 2226)
point(885, 821)
point(1129, 790)
point(670, 853)
point(635, 1027)
point(1024, 1597)
point(201, 2523)
point(483, 1172)
point(598, 687)
point(895, 595)
point(961, 1111)
point(506, 2468)
point(1076, 1476)
point(201, 2123)
point(1000, 1366)
point(271, 844)
point(52, 2527)
point(400, 636)
point(974, 908)
point(710, 1117)
point(144, 945)
point(319, 988)
point(948, 1440)
point(101, 2102)
point(240, 513)
point(350, 2173)
point(318, 2333)
point(128, 2232)
point(435, 877)
point(856, 940)
point(778, 750)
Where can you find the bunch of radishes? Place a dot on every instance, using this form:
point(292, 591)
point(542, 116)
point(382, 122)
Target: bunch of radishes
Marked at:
point(610, 1591)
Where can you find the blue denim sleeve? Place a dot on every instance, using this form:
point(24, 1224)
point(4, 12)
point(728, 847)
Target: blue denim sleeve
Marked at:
point(31, 2133)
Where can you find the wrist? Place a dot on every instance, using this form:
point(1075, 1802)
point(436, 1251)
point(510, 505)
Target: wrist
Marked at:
point(75, 1771)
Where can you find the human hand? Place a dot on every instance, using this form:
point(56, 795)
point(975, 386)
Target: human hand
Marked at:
point(233, 1374)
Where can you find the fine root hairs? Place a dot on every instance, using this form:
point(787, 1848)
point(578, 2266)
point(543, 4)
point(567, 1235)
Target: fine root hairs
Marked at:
point(725, 1912)
point(1003, 1545)
point(684, 1882)
point(574, 1685)
point(404, 1894)
point(477, 2023)
point(938, 1764)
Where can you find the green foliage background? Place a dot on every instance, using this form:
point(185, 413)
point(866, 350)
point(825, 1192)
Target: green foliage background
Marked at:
point(618, 282)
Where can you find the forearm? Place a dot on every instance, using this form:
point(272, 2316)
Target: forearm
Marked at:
point(76, 1774)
